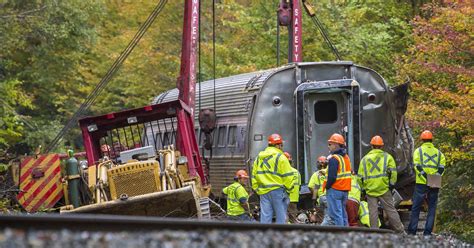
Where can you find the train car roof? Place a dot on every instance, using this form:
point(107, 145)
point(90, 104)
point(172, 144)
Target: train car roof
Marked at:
point(235, 91)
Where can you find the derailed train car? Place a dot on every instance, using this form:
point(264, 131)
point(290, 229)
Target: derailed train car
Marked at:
point(305, 103)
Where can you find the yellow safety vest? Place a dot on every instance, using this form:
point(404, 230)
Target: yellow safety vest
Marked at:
point(354, 194)
point(271, 170)
point(295, 192)
point(235, 193)
point(377, 170)
point(318, 179)
point(364, 214)
point(430, 159)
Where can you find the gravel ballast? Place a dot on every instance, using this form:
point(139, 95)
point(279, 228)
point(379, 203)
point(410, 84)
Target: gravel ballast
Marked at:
point(13, 238)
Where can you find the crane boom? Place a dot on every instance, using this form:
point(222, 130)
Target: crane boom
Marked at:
point(185, 137)
point(289, 14)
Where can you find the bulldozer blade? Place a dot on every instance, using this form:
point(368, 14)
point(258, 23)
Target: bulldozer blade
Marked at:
point(182, 202)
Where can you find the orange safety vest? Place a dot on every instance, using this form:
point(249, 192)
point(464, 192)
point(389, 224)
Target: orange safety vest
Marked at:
point(343, 179)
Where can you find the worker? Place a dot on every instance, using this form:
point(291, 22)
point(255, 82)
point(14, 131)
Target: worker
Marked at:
point(294, 194)
point(313, 184)
point(338, 180)
point(105, 149)
point(377, 174)
point(352, 205)
point(237, 198)
point(317, 186)
point(428, 161)
point(272, 180)
point(364, 214)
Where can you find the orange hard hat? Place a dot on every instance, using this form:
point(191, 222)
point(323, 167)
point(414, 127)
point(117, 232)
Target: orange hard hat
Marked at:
point(337, 138)
point(288, 156)
point(376, 141)
point(275, 139)
point(426, 135)
point(241, 174)
point(322, 159)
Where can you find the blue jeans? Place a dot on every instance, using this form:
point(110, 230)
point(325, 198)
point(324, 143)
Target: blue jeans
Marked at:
point(420, 191)
point(337, 206)
point(323, 202)
point(275, 201)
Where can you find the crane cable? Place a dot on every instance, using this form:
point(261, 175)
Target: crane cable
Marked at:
point(278, 42)
point(214, 49)
point(323, 32)
point(199, 78)
point(321, 28)
point(108, 76)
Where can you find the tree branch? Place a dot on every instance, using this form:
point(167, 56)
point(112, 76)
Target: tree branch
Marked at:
point(24, 14)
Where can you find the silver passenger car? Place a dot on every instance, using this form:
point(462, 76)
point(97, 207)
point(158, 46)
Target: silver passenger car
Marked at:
point(305, 103)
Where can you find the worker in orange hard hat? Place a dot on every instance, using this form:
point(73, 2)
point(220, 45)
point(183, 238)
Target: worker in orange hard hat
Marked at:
point(338, 182)
point(272, 179)
point(429, 164)
point(315, 182)
point(317, 186)
point(378, 175)
point(294, 194)
point(237, 198)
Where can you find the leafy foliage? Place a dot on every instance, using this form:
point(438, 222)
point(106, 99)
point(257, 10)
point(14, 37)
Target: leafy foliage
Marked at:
point(11, 122)
point(43, 42)
point(440, 65)
point(53, 53)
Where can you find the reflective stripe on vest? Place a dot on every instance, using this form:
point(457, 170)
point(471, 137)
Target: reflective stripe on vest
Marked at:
point(341, 170)
point(275, 169)
point(234, 206)
point(430, 158)
point(374, 164)
point(343, 178)
point(234, 198)
point(364, 211)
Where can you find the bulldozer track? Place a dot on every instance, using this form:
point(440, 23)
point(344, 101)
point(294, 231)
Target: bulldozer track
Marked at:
point(87, 222)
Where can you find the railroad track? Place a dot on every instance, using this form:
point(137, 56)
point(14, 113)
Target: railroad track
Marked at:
point(88, 222)
point(104, 231)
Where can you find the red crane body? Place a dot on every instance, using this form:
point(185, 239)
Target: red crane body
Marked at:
point(186, 138)
point(99, 129)
point(289, 14)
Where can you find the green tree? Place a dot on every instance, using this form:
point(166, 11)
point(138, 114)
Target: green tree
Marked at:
point(12, 124)
point(42, 45)
point(440, 65)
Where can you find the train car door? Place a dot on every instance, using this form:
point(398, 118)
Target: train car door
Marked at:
point(326, 113)
point(324, 108)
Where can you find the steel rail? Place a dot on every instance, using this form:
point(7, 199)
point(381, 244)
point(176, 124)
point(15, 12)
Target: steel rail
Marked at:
point(91, 222)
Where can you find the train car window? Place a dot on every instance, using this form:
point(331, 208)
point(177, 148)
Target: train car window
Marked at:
point(232, 136)
point(221, 136)
point(325, 112)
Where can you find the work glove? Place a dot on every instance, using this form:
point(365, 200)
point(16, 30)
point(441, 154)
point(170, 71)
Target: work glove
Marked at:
point(440, 171)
